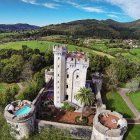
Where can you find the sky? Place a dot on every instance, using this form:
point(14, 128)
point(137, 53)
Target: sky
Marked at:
point(45, 12)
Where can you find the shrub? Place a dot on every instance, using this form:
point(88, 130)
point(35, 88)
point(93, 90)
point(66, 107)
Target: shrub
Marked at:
point(68, 107)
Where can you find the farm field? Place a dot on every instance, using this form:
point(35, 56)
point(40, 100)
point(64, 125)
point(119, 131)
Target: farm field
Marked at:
point(132, 54)
point(131, 57)
point(115, 102)
point(135, 98)
point(44, 45)
point(98, 48)
point(135, 52)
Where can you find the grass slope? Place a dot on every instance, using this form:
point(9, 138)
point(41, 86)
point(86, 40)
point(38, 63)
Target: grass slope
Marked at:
point(4, 86)
point(133, 132)
point(115, 102)
point(44, 45)
point(135, 98)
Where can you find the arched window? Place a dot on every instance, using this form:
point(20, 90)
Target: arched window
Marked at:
point(77, 76)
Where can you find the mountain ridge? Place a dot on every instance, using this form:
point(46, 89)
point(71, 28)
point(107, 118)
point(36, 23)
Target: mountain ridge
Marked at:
point(17, 27)
point(99, 28)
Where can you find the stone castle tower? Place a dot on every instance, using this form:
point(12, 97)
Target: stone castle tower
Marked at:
point(20, 115)
point(70, 69)
point(108, 125)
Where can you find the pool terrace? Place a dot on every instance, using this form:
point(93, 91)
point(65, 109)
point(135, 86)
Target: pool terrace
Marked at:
point(19, 110)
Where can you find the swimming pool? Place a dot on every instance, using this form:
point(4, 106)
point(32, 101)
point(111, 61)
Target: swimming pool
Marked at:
point(25, 110)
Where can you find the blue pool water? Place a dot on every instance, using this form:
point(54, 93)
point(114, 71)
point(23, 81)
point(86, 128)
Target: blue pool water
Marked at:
point(23, 111)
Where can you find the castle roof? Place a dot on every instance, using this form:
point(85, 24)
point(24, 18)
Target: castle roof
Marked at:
point(76, 55)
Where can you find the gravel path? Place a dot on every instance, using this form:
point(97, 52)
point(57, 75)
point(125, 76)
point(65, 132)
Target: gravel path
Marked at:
point(122, 92)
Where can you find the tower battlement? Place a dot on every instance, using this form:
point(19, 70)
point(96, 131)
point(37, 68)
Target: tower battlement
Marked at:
point(109, 125)
point(77, 58)
point(59, 48)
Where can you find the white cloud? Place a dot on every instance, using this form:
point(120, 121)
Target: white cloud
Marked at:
point(112, 16)
point(51, 5)
point(47, 5)
point(130, 7)
point(93, 9)
point(30, 1)
point(85, 8)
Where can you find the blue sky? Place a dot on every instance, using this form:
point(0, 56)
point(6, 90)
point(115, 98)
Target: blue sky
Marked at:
point(44, 12)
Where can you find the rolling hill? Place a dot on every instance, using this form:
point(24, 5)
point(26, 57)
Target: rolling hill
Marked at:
point(95, 28)
point(17, 27)
point(81, 28)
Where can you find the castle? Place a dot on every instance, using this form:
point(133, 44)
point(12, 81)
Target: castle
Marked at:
point(69, 75)
point(70, 69)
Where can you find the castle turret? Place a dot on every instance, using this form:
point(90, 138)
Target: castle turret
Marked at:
point(108, 125)
point(59, 74)
point(49, 75)
point(20, 115)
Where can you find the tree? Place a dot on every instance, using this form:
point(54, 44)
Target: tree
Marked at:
point(98, 63)
point(37, 62)
point(10, 73)
point(49, 57)
point(111, 79)
point(86, 98)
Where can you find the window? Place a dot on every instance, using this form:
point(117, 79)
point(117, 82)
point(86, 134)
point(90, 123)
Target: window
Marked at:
point(58, 74)
point(67, 75)
point(66, 97)
point(71, 59)
point(57, 81)
point(58, 66)
point(66, 86)
point(58, 58)
point(77, 76)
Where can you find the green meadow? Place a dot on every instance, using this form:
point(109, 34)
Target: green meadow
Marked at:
point(135, 99)
point(45, 45)
point(115, 102)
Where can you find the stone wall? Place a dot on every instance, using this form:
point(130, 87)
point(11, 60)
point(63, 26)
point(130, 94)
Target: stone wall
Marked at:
point(76, 131)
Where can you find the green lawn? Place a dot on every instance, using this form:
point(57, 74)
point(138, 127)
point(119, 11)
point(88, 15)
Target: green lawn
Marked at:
point(115, 102)
point(135, 98)
point(133, 132)
point(42, 45)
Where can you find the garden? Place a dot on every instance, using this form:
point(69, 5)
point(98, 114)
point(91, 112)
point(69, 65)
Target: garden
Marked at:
point(70, 113)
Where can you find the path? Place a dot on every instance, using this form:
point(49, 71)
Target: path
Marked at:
point(122, 92)
point(20, 90)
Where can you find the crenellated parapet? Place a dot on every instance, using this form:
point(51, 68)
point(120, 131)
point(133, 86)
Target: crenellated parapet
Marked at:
point(108, 125)
point(59, 49)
